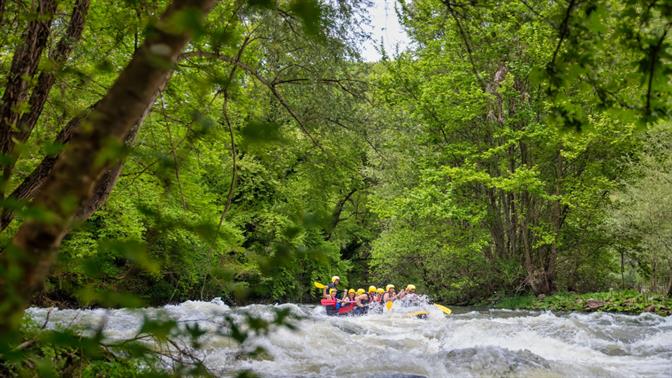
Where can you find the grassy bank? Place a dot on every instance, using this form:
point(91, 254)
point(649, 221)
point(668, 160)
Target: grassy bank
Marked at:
point(613, 301)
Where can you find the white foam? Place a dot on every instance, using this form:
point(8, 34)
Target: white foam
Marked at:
point(510, 343)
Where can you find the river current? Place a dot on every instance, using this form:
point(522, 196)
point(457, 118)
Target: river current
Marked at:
point(501, 343)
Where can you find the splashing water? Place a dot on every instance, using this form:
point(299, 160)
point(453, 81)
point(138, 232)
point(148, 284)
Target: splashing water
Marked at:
point(476, 343)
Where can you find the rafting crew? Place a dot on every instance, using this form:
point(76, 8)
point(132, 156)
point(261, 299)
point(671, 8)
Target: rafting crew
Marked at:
point(360, 302)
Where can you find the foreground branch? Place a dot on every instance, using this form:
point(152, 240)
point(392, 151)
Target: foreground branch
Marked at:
point(26, 262)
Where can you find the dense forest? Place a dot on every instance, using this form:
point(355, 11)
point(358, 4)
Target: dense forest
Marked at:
point(156, 151)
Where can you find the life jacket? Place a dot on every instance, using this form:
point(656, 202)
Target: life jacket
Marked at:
point(377, 298)
point(367, 300)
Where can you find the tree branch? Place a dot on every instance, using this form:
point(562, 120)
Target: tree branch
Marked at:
point(262, 80)
point(654, 51)
point(465, 39)
point(225, 112)
point(564, 31)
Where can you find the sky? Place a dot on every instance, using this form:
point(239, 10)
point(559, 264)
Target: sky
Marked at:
point(385, 26)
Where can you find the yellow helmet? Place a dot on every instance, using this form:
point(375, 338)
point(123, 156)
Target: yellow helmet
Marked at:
point(332, 290)
point(335, 278)
point(388, 287)
point(410, 287)
point(372, 289)
point(360, 291)
point(380, 290)
point(351, 291)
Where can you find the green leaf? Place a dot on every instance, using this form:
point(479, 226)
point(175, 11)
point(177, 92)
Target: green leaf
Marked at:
point(259, 132)
point(266, 4)
point(310, 12)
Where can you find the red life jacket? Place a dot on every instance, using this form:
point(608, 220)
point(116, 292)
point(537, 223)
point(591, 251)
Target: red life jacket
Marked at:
point(328, 302)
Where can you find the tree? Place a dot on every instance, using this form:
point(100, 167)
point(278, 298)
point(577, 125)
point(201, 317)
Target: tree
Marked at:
point(643, 207)
point(495, 168)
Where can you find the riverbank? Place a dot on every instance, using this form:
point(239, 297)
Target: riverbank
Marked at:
point(630, 302)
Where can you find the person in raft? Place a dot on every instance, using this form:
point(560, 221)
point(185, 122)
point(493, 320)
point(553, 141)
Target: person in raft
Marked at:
point(335, 280)
point(373, 295)
point(379, 294)
point(408, 295)
point(331, 295)
point(350, 297)
point(361, 302)
point(389, 295)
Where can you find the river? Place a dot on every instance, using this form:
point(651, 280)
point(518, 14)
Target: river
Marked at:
point(468, 343)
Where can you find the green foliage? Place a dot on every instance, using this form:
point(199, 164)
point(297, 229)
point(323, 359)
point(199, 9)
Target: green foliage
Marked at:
point(310, 13)
point(612, 301)
point(499, 173)
point(641, 214)
point(517, 302)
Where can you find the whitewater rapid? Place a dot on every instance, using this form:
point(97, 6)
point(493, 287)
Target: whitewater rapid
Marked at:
point(500, 343)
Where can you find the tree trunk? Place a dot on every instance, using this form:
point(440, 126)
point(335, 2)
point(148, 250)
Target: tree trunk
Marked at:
point(104, 184)
point(58, 57)
point(31, 184)
point(557, 221)
point(336, 214)
point(526, 242)
point(623, 269)
point(668, 291)
point(24, 65)
point(33, 249)
point(2, 11)
point(496, 227)
point(654, 273)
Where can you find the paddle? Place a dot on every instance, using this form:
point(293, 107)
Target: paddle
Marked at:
point(418, 314)
point(388, 305)
point(319, 285)
point(445, 309)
